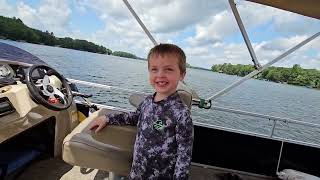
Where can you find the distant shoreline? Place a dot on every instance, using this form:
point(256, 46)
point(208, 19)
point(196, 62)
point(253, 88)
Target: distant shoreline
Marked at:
point(296, 75)
point(200, 68)
point(14, 29)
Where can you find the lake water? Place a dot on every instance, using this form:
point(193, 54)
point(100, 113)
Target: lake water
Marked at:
point(257, 96)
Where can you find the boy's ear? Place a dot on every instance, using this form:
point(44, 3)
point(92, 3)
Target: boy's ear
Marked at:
point(182, 76)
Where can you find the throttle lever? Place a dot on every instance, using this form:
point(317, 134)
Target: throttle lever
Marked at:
point(74, 93)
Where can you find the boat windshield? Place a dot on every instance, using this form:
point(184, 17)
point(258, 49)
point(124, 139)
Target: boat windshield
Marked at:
point(17, 55)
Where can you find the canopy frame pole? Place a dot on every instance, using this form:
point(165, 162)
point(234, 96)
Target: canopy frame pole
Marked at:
point(253, 73)
point(140, 22)
point(244, 34)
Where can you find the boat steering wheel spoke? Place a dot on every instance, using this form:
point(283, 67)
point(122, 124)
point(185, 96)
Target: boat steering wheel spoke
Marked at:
point(60, 95)
point(47, 88)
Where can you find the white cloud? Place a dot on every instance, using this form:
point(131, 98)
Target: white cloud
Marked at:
point(271, 49)
point(81, 6)
point(196, 51)
point(55, 15)
point(294, 23)
point(223, 24)
point(200, 27)
point(218, 54)
point(159, 16)
point(210, 36)
point(28, 15)
point(213, 30)
point(303, 56)
point(118, 37)
point(121, 32)
point(51, 15)
point(281, 43)
point(237, 53)
point(106, 9)
point(6, 9)
point(165, 19)
point(170, 16)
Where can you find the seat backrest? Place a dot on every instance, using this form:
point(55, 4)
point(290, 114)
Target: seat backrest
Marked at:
point(136, 99)
point(186, 97)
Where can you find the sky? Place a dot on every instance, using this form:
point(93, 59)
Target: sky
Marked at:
point(205, 29)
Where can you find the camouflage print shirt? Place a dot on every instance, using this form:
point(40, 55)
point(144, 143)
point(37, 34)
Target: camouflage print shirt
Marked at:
point(164, 138)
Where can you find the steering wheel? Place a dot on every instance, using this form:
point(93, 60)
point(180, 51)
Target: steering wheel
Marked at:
point(45, 92)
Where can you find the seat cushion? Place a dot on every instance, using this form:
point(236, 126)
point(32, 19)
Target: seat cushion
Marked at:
point(110, 150)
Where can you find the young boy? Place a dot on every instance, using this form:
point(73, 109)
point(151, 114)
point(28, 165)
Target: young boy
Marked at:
point(164, 139)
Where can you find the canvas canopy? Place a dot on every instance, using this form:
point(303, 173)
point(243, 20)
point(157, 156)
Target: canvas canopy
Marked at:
point(310, 8)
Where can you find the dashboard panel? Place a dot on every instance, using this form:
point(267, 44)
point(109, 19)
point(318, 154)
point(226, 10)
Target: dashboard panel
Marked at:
point(6, 106)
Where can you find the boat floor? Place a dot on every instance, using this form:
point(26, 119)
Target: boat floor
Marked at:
point(57, 169)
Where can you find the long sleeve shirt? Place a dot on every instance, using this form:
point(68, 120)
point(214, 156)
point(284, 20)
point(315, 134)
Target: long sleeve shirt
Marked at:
point(163, 145)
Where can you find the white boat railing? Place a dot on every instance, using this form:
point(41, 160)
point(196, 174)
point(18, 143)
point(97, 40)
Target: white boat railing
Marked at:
point(107, 87)
point(275, 119)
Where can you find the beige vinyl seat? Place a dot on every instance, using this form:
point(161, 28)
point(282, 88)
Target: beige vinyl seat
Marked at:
point(111, 149)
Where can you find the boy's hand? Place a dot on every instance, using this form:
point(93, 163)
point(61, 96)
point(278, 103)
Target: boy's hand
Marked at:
point(98, 123)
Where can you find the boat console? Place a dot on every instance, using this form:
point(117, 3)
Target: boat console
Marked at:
point(28, 100)
point(36, 112)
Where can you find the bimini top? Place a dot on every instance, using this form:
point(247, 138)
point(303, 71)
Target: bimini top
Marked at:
point(11, 53)
point(310, 8)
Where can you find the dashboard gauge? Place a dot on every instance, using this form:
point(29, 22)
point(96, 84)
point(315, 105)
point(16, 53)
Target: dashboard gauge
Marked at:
point(6, 71)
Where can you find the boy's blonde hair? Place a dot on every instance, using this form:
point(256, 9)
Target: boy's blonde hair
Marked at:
point(164, 49)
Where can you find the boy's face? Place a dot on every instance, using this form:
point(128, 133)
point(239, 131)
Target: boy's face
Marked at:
point(164, 73)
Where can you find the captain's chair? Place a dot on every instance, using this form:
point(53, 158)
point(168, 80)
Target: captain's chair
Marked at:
point(111, 149)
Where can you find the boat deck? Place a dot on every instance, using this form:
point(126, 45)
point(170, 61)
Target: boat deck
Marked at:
point(54, 169)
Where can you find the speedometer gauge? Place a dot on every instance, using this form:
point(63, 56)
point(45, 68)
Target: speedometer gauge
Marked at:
point(5, 71)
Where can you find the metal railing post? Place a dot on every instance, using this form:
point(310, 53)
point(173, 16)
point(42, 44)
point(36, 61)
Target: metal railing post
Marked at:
point(279, 159)
point(273, 127)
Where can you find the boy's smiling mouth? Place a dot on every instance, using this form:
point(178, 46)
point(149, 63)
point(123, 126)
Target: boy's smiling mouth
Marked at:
point(161, 83)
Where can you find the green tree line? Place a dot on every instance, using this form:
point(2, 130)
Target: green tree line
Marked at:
point(15, 29)
point(295, 75)
point(124, 54)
